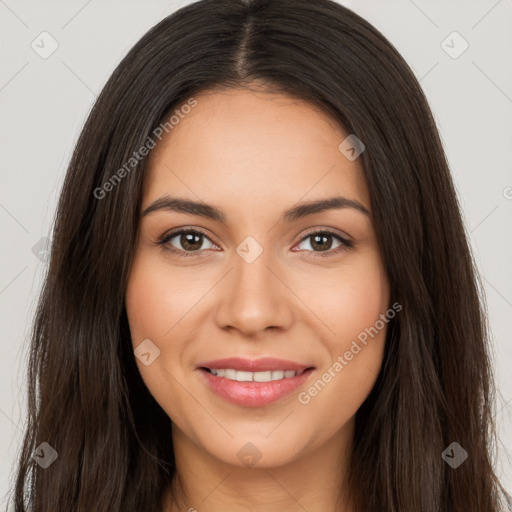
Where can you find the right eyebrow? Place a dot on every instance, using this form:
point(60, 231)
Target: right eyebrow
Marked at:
point(176, 204)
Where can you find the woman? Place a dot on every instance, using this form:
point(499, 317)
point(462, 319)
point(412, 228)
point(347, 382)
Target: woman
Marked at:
point(200, 343)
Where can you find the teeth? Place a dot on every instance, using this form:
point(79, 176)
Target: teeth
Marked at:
point(230, 374)
point(263, 376)
point(242, 376)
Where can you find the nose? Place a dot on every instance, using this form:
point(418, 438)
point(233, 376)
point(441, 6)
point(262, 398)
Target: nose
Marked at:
point(254, 297)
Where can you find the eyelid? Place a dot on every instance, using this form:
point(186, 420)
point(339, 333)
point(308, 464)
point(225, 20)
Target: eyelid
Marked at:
point(177, 231)
point(324, 229)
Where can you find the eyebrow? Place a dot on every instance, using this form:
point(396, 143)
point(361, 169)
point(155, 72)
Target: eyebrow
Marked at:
point(299, 211)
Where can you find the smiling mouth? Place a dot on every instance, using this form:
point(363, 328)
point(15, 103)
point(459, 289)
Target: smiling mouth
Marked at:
point(262, 376)
point(254, 389)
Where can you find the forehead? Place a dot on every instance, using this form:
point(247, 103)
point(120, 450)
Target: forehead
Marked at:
point(244, 149)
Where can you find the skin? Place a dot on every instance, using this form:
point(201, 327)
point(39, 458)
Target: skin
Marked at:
point(254, 155)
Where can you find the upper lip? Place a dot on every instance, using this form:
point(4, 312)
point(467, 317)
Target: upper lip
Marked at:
point(253, 365)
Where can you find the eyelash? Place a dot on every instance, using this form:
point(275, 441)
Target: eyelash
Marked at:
point(166, 237)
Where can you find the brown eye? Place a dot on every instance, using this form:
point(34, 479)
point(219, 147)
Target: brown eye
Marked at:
point(190, 241)
point(185, 241)
point(322, 242)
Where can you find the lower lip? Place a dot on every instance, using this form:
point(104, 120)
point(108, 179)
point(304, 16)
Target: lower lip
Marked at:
point(254, 394)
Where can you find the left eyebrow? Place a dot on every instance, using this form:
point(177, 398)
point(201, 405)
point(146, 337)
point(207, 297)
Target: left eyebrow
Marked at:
point(304, 209)
point(297, 212)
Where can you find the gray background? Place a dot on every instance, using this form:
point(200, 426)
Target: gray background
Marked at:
point(44, 103)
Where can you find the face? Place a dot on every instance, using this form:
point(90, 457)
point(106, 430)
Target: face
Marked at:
point(255, 274)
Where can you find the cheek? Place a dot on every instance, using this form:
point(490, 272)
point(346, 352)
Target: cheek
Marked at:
point(148, 295)
point(161, 305)
point(145, 305)
point(352, 308)
point(153, 310)
point(351, 299)
point(156, 299)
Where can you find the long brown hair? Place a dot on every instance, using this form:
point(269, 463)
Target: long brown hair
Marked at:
point(86, 397)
